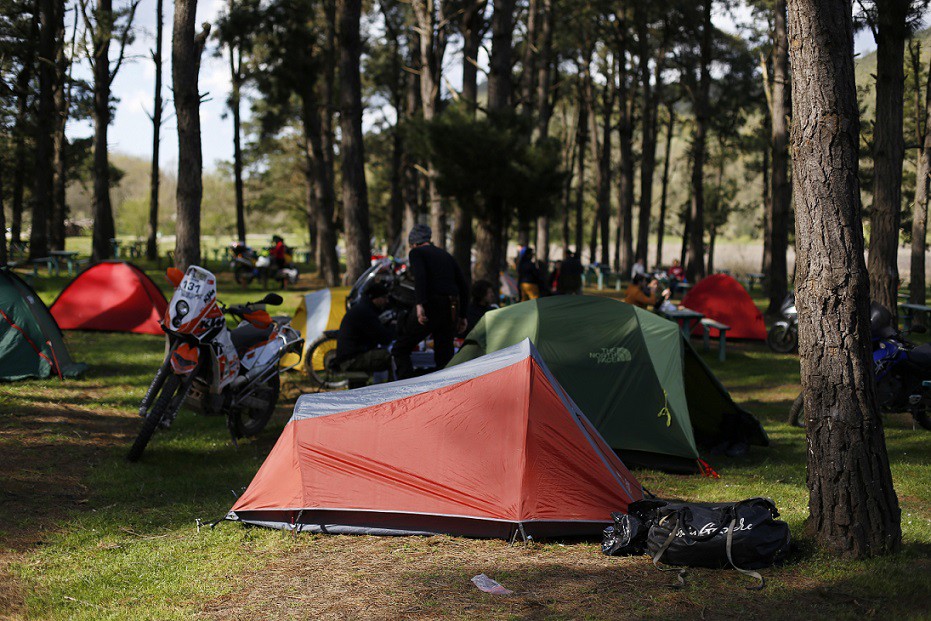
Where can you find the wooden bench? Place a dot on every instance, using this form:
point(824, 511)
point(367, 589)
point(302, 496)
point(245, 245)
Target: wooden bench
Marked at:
point(910, 310)
point(49, 263)
point(710, 324)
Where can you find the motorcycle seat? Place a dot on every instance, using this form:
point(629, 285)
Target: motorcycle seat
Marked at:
point(247, 335)
point(921, 355)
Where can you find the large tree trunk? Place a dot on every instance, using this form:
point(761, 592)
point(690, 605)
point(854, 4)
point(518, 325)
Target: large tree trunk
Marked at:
point(601, 153)
point(356, 228)
point(58, 212)
point(854, 510)
point(917, 286)
point(888, 152)
point(23, 94)
point(544, 110)
point(396, 199)
point(186, 50)
point(151, 247)
point(490, 240)
point(411, 175)
point(327, 97)
point(321, 193)
point(661, 223)
point(582, 140)
point(695, 268)
point(4, 257)
point(432, 33)
point(625, 188)
point(777, 275)
point(45, 130)
point(648, 107)
point(236, 79)
point(473, 21)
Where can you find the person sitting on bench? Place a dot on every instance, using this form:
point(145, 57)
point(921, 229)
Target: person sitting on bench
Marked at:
point(363, 338)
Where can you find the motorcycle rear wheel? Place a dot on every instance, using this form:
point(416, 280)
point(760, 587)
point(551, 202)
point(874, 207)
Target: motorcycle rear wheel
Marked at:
point(782, 339)
point(155, 415)
point(248, 422)
point(320, 355)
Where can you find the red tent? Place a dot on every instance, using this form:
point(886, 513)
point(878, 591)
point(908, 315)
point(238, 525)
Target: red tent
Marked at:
point(723, 299)
point(488, 448)
point(112, 296)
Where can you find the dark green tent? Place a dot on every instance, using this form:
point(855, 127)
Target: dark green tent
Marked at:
point(631, 372)
point(31, 343)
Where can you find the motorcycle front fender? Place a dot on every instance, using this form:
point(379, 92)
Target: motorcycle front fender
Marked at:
point(184, 359)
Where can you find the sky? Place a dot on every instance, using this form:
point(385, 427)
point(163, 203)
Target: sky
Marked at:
point(131, 130)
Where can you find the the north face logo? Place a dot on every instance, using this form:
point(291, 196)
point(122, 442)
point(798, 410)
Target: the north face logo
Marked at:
point(611, 355)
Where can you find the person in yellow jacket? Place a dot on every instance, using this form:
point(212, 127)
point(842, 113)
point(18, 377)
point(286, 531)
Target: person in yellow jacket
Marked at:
point(643, 294)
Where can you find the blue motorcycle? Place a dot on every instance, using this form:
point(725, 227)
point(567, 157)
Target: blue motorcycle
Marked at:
point(902, 371)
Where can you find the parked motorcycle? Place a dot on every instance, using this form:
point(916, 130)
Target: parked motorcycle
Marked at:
point(401, 300)
point(214, 370)
point(782, 338)
point(902, 371)
point(243, 264)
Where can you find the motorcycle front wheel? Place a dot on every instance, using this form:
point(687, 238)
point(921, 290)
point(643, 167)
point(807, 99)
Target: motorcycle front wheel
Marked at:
point(782, 339)
point(165, 406)
point(249, 421)
point(243, 275)
point(320, 355)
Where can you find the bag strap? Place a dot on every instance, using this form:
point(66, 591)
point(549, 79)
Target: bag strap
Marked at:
point(730, 558)
point(662, 550)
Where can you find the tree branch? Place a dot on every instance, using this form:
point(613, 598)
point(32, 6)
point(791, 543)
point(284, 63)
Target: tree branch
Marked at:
point(124, 39)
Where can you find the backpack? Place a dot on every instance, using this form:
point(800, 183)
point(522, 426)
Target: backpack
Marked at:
point(744, 535)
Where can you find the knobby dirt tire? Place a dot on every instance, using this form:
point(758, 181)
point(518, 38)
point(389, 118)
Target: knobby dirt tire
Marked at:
point(247, 427)
point(318, 357)
point(797, 412)
point(154, 416)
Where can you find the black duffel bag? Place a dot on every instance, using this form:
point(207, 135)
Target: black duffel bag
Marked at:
point(744, 535)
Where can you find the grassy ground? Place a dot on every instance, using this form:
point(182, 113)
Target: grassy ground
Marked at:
point(85, 535)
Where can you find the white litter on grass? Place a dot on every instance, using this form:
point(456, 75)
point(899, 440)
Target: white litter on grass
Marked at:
point(486, 584)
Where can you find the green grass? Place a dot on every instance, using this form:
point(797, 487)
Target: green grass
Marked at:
point(86, 535)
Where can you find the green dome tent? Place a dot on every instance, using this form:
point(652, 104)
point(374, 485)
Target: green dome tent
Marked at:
point(631, 372)
point(31, 343)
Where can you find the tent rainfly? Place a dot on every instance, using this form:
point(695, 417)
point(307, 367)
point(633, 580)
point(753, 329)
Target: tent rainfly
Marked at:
point(111, 296)
point(633, 374)
point(31, 343)
point(491, 448)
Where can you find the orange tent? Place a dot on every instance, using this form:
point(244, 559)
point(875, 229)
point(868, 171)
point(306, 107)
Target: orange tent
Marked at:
point(111, 296)
point(491, 448)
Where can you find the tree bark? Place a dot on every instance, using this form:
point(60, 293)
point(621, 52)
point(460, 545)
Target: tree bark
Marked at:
point(104, 228)
point(888, 152)
point(781, 194)
point(490, 240)
point(356, 227)
point(582, 140)
point(45, 130)
point(432, 33)
point(186, 51)
point(544, 110)
point(411, 175)
point(601, 153)
point(695, 268)
point(59, 210)
point(4, 257)
point(473, 21)
point(151, 247)
point(648, 107)
point(236, 79)
point(321, 193)
point(917, 287)
point(23, 92)
point(624, 255)
point(854, 510)
point(661, 223)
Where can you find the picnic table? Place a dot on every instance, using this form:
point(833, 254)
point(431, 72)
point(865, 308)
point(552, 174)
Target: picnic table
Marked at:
point(910, 310)
point(709, 324)
point(68, 257)
point(753, 279)
point(683, 288)
point(685, 317)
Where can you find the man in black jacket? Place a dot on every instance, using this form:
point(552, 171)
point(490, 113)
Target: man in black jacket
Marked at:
point(362, 336)
point(442, 296)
